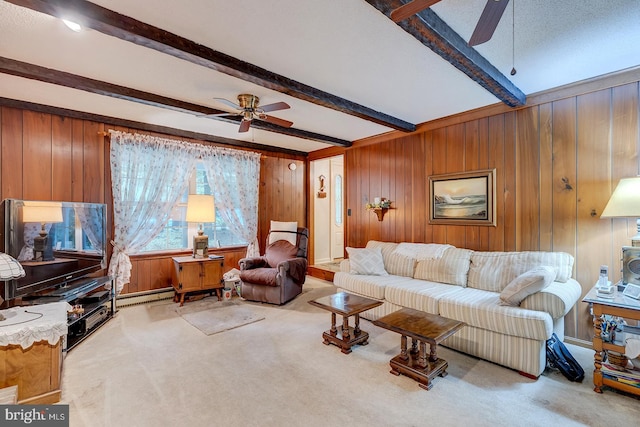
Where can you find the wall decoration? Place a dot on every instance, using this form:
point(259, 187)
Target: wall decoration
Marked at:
point(464, 198)
point(322, 194)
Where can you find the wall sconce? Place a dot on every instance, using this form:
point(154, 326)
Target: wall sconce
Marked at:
point(200, 208)
point(380, 206)
point(43, 213)
point(625, 203)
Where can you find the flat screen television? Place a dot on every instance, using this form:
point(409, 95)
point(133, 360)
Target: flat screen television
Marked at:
point(56, 243)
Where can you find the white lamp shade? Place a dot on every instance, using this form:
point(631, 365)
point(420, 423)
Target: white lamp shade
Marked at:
point(42, 212)
point(625, 200)
point(200, 208)
point(10, 268)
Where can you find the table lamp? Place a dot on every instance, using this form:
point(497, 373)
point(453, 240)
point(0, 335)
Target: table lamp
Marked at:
point(43, 213)
point(10, 269)
point(200, 208)
point(625, 203)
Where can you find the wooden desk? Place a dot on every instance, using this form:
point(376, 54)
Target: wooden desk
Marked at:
point(423, 328)
point(197, 274)
point(619, 306)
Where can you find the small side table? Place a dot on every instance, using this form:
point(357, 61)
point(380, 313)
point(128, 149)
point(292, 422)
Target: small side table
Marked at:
point(423, 328)
point(197, 274)
point(345, 305)
point(619, 306)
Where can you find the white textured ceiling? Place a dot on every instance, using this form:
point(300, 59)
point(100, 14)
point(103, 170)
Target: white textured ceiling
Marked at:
point(343, 47)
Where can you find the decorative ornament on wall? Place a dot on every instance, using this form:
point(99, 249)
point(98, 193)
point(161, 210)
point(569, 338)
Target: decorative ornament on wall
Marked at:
point(322, 194)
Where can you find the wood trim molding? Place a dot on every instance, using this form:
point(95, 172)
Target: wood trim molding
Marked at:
point(131, 30)
point(570, 90)
point(113, 121)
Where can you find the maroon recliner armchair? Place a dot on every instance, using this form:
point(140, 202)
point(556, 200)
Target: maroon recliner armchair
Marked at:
point(277, 276)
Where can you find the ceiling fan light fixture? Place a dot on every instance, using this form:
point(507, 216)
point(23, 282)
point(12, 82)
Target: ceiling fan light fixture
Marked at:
point(73, 26)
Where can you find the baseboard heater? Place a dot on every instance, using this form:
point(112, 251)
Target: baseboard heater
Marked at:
point(143, 297)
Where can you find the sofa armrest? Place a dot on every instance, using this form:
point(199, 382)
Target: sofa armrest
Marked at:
point(295, 267)
point(249, 263)
point(556, 299)
point(345, 266)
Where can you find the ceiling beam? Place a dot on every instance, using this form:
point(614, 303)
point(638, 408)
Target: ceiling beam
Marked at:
point(114, 121)
point(61, 78)
point(433, 32)
point(123, 27)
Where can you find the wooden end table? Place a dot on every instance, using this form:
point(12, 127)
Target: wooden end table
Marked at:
point(345, 305)
point(423, 328)
point(191, 274)
point(618, 305)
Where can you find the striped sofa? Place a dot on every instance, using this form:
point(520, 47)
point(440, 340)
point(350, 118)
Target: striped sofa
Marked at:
point(465, 285)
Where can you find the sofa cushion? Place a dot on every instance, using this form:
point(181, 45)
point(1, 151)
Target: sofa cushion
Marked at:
point(260, 276)
point(418, 294)
point(482, 309)
point(394, 264)
point(420, 251)
point(451, 268)
point(369, 286)
point(366, 261)
point(492, 271)
point(527, 284)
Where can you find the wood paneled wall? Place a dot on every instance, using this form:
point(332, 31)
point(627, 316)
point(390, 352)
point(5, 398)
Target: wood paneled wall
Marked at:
point(556, 165)
point(51, 157)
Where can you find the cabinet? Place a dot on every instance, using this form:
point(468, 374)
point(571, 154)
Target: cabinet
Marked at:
point(29, 361)
point(619, 306)
point(195, 275)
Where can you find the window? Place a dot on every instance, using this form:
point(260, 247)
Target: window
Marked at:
point(338, 200)
point(177, 233)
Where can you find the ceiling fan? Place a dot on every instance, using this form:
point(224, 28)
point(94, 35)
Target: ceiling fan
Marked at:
point(248, 108)
point(485, 27)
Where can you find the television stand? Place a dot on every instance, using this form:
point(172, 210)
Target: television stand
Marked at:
point(99, 306)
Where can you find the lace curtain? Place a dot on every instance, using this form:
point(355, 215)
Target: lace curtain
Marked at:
point(149, 175)
point(234, 176)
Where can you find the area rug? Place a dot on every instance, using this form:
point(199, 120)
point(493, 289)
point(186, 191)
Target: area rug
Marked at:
point(211, 316)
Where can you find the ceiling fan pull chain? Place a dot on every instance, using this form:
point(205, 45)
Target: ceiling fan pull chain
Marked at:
point(513, 38)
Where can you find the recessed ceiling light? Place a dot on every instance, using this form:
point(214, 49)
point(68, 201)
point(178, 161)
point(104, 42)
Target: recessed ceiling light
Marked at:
point(72, 25)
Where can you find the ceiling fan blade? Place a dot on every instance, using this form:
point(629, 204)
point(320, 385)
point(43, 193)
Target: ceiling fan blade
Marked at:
point(229, 103)
point(276, 121)
point(244, 125)
point(274, 107)
point(488, 21)
point(411, 8)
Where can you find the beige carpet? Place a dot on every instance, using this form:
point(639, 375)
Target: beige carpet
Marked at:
point(211, 316)
point(148, 367)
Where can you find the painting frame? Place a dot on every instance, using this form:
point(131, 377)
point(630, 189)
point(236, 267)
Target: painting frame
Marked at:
point(463, 198)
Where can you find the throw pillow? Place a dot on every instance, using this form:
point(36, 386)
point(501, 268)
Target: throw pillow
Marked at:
point(366, 261)
point(526, 284)
point(289, 231)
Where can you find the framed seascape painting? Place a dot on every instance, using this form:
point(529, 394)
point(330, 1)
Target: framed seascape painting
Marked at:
point(465, 198)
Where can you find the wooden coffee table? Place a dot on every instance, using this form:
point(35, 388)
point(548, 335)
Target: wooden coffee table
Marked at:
point(345, 305)
point(422, 328)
